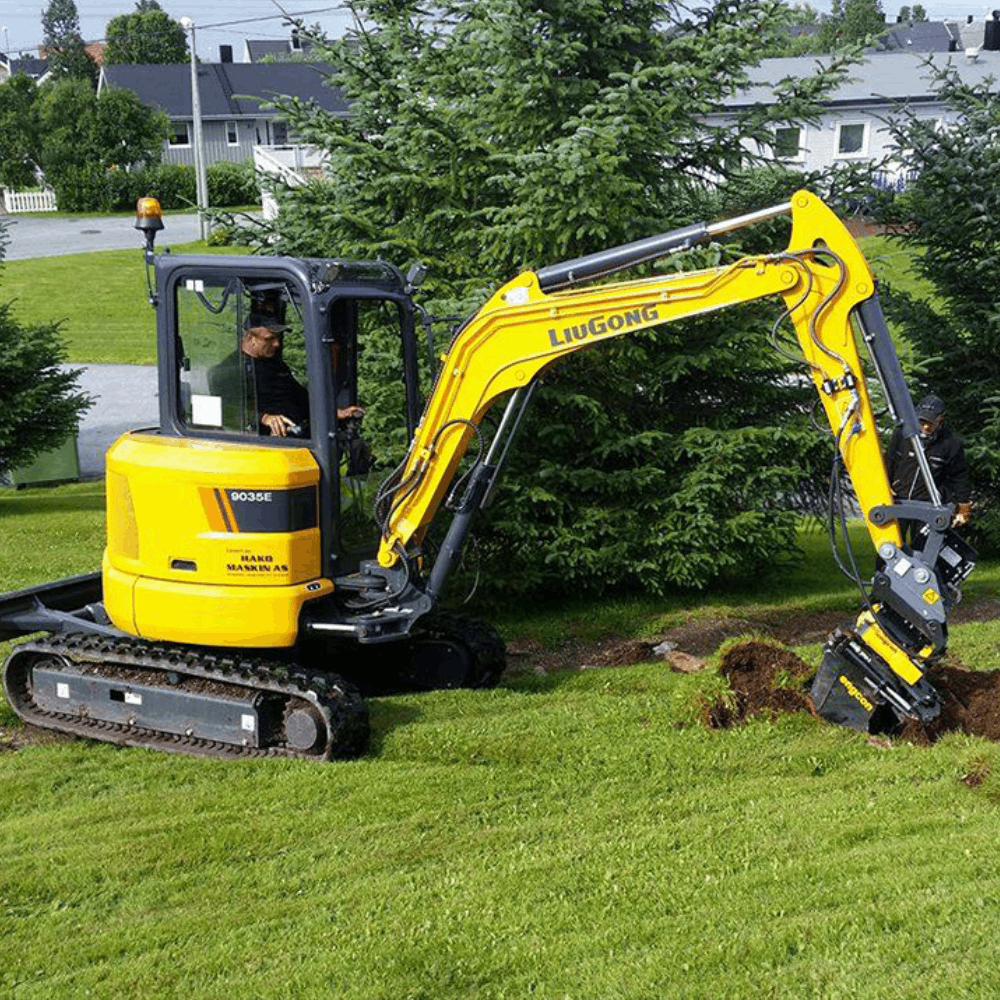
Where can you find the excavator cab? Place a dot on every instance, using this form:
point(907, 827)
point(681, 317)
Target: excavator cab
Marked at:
point(332, 319)
point(219, 531)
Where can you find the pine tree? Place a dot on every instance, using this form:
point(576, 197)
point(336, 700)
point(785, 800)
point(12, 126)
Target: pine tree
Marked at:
point(40, 401)
point(950, 215)
point(64, 45)
point(504, 134)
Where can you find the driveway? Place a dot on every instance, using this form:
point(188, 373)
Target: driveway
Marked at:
point(55, 235)
point(126, 398)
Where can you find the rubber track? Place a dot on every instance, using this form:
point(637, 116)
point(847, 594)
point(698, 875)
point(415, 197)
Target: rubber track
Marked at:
point(341, 706)
point(479, 637)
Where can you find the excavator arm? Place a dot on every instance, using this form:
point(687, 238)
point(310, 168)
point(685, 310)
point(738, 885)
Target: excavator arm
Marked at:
point(830, 297)
point(527, 326)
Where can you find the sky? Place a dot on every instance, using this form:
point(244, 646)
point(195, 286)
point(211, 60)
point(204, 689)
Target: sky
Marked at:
point(21, 22)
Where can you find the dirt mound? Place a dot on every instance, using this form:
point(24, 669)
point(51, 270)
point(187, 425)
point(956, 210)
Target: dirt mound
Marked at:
point(970, 703)
point(764, 679)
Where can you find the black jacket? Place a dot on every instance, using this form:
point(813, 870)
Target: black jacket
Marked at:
point(945, 453)
point(266, 385)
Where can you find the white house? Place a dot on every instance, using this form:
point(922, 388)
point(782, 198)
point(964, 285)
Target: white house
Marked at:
point(852, 126)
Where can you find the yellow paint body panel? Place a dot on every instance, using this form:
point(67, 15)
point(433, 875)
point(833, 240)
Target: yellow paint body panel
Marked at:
point(197, 551)
point(901, 664)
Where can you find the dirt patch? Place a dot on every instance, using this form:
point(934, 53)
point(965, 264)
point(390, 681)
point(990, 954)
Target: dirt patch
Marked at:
point(699, 638)
point(764, 679)
point(970, 703)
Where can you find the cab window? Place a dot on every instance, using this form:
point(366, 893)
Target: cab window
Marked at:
point(241, 358)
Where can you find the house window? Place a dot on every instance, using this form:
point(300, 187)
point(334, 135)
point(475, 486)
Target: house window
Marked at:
point(179, 135)
point(852, 139)
point(788, 143)
point(279, 133)
point(232, 135)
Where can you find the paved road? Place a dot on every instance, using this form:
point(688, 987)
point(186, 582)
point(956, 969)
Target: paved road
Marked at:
point(126, 398)
point(55, 235)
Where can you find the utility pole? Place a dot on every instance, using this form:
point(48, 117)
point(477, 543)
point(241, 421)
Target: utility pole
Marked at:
point(6, 46)
point(199, 149)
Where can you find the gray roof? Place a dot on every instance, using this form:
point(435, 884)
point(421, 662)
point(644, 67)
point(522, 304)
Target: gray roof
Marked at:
point(226, 90)
point(880, 77)
point(259, 49)
point(35, 68)
point(918, 36)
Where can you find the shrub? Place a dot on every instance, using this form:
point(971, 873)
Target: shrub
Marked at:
point(40, 399)
point(80, 188)
point(172, 184)
point(231, 184)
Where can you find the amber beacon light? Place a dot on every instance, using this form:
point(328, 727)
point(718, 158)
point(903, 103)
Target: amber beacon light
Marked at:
point(149, 219)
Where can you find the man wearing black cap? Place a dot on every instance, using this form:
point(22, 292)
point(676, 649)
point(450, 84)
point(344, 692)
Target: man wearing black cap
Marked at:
point(282, 403)
point(945, 453)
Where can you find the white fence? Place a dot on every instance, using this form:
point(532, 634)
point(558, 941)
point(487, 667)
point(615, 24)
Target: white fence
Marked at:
point(29, 201)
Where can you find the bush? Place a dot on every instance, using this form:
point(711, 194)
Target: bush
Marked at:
point(80, 188)
point(41, 402)
point(172, 184)
point(89, 188)
point(231, 184)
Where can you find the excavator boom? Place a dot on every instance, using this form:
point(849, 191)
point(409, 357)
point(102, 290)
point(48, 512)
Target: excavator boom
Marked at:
point(830, 298)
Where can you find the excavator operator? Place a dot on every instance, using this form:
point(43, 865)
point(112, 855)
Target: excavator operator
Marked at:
point(282, 403)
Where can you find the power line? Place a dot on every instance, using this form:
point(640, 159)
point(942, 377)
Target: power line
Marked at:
point(215, 25)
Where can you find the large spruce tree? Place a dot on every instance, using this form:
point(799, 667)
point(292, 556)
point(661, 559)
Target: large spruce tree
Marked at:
point(494, 135)
point(64, 45)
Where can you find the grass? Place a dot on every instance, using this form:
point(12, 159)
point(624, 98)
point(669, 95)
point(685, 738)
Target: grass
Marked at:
point(100, 299)
point(575, 835)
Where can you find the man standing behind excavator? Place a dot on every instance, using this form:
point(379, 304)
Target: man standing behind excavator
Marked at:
point(945, 453)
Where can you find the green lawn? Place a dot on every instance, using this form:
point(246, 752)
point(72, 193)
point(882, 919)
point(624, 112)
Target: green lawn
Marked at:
point(100, 299)
point(578, 835)
point(575, 835)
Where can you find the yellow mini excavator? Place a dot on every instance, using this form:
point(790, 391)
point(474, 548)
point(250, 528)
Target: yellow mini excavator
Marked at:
point(241, 587)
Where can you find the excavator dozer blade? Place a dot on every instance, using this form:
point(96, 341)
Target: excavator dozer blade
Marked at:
point(855, 687)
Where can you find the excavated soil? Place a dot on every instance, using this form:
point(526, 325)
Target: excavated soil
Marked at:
point(970, 704)
point(763, 680)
